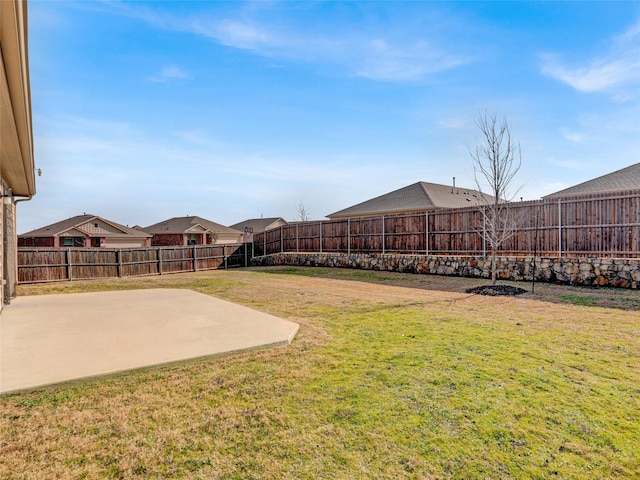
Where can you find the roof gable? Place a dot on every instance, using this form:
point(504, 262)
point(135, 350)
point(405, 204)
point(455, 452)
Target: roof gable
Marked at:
point(86, 226)
point(73, 232)
point(196, 229)
point(97, 226)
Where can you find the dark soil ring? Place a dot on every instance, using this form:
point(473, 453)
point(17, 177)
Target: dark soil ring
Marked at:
point(495, 290)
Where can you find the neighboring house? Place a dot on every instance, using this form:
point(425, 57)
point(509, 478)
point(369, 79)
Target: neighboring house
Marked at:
point(85, 231)
point(624, 179)
point(191, 231)
point(258, 225)
point(16, 136)
point(418, 197)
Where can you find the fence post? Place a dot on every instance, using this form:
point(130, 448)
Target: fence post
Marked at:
point(297, 240)
point(245, 253)
point(383, 245)
point(348, 236)
point(559, 228)
point(426, 233)
point(68, 262)
point(320, 237)
point(119, 261)
point(281, 240)
point(224, 255)
point(264, 236)
point(193, 254)
point(159, 261)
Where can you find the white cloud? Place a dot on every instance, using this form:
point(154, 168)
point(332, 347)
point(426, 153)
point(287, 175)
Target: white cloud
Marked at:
point(574, 137)
point(237, 34)
point(107, 164)
point(615, 71)
point(376, 52)
point(104, 151)
point(600, 75)
point(168, 74)
point(360, 55)
point(382, 60)
point(454, 123)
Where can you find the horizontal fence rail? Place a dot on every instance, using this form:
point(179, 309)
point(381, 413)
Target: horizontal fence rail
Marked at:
point(36, 265)
point(597, 225)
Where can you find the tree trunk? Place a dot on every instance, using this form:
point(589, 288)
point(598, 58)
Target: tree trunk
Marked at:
point(494, 264)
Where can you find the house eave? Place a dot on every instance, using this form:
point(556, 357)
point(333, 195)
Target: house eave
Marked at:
point(16, 136)
point(334, 216)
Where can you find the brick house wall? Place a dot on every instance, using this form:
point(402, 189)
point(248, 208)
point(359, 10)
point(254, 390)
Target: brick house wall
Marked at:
point(36, 242)
point(168, 240)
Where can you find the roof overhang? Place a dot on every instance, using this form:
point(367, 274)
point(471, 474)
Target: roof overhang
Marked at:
point(344, 216)
point(16, 136)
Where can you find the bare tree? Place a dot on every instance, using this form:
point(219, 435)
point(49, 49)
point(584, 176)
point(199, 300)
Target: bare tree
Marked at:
point(303, 213)
point(496, 161)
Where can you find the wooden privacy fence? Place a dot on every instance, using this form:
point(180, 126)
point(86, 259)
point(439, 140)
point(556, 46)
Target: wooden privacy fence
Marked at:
point(62, 264)
point(598, 225)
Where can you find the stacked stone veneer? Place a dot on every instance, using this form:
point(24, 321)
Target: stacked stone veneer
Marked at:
point(606, 272)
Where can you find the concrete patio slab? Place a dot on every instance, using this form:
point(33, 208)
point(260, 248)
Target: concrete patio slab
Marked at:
point(56, 338)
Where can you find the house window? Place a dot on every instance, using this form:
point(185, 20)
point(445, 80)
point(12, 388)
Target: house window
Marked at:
point(192, 239)
point(72, 241)
point(95, 241)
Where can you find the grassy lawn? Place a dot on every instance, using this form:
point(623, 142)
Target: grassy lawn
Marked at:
point(391, 376)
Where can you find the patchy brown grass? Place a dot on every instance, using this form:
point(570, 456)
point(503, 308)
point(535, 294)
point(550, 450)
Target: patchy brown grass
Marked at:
point(390, 376)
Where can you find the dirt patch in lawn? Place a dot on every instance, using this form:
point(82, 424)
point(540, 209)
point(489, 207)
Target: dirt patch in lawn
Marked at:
point(496, 290)
point(618, 298)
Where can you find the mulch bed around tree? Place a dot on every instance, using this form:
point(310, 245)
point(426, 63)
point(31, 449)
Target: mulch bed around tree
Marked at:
point(495, 290)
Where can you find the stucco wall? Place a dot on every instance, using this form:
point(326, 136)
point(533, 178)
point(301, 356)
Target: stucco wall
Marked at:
point(610, 272)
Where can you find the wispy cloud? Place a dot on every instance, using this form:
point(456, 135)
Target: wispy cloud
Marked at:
point(614, 71)
point(455, 123)
point(168, 74)
point(383, 60)
point(368, 55)
point(238, 34)
point(183, 157)
point(574, 137)
point(376, 51)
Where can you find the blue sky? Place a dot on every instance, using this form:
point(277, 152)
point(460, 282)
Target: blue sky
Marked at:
point(144, 111)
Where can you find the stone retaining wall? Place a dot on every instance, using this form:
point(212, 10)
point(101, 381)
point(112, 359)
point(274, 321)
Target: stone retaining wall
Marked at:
point(606, 272)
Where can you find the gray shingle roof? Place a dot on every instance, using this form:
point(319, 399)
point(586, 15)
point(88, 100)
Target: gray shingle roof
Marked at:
point(627, 178)
point(77, 222)
point(184, 224)
point(258, 224)
point(418, 197)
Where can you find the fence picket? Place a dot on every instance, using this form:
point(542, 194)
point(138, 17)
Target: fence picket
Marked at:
point(601, 225)
point(36, 265)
